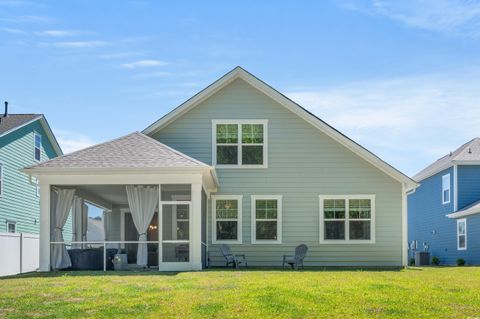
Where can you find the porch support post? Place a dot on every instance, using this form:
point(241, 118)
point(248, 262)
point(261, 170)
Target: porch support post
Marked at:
point(44, 225)
point(196, 237)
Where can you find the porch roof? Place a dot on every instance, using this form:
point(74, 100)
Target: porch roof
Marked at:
point(134, 151)
point(471, 209)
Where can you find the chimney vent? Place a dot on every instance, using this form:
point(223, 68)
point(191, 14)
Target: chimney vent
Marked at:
point(6, 109)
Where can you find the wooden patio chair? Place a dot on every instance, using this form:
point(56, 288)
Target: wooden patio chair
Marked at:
point(231, 259)
point(296, 261)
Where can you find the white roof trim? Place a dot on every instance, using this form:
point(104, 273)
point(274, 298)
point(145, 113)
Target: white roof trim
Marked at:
point(473, 210)
point(463, 214)
point(447, 165)
point(239, 73)
point(47, 129)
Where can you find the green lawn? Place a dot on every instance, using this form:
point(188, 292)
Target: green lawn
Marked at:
point(415, 293)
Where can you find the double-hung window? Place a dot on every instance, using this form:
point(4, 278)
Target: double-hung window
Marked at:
point(462, 234)
point(240, 143)
point(37, 146)
point(347, 219)
point(227, 219)
point(446, 189)
point(266, 219)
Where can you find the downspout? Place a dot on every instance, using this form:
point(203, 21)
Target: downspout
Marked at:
point(404, 227)
point(455, 187)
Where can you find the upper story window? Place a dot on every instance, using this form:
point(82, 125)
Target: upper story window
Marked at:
point(240, 143)
point(37, 146)
point(446, 189)
point(462, 234)
point(347, 218)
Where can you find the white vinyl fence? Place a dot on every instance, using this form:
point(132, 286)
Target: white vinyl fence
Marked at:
point(19, 253)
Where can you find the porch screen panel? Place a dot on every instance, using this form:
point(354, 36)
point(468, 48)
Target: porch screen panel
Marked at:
point(175, 232)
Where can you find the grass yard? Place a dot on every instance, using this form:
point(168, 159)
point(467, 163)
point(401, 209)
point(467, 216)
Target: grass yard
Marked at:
point(414, 293)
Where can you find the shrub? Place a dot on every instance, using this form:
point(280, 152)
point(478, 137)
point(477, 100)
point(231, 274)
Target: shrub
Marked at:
point(435, 261)
point(460, 262)
point(412, 261)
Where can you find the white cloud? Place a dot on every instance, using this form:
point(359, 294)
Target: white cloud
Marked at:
point(408, 121)
point(27, 19)
point(79, 44)
point(72, 141)
point(57, 33)
point(449, 16)
point(119, 55)
point(12, 31)
point(144, 64)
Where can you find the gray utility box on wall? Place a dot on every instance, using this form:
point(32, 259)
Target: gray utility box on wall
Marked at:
point(422, 258)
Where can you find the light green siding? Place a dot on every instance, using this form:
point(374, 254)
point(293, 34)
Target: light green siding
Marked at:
point(20, 202)
point(303, 163)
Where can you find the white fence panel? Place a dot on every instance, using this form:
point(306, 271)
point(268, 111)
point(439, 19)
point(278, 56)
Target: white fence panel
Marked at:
point(19, 253)
point(30, 252)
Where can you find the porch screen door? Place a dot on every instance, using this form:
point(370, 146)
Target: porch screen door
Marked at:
point(175, 232)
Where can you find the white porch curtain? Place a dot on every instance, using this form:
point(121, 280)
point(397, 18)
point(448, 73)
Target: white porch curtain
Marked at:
point(142, 200)
point(63, 205)
point(84, 222)
point(79, 221)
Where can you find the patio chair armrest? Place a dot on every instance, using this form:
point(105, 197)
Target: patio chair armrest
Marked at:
point(241, 255)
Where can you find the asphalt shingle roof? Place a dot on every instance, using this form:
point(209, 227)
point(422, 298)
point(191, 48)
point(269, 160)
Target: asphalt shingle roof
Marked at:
point(134, 150)
point(469, 151)
point(13, 121)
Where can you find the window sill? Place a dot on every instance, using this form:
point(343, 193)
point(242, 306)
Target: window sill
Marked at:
point(228, 242)
point(266, 242)
point(241, 166)
point(346, 242)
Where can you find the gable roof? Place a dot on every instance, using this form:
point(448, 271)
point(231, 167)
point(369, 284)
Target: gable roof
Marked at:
point(132, 151)
point(467, 153)
point(13, 122)
point(240, 73)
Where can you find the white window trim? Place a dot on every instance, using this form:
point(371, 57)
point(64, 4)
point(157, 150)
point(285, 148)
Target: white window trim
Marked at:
point(2, 184)
point(239, 199)
point(347, 239)
point(463, 220)
point(239, 145)
point(35, 146)
point(444, 189)
point(279, 219)
point(9, 222)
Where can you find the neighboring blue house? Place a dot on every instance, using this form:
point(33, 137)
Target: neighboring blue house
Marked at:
point(25, 139)
point(444, 211)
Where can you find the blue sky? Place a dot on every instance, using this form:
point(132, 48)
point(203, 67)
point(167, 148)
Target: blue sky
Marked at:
point(401, 78)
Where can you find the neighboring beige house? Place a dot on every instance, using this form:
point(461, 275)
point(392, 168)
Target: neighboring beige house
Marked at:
point(238, 163)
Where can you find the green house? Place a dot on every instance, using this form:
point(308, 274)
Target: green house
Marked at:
point(25, 139)
point(238, 164)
